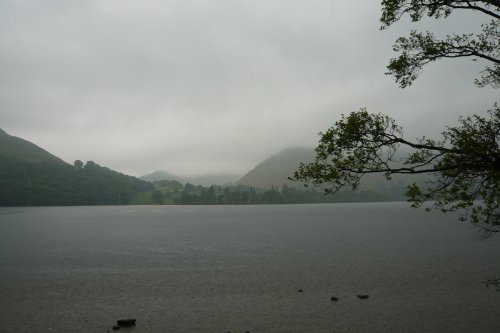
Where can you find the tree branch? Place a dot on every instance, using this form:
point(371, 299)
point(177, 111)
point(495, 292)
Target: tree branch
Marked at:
point(405, 171)
point(487, 57)
point(475, 7)
point(422, 146)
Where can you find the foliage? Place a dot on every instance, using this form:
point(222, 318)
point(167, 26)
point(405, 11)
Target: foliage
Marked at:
point(465, 163)
point(170, 183)
point(242, 194)
point(28, 183)
point(157, 197)
point(419, 48)
point(78, 164)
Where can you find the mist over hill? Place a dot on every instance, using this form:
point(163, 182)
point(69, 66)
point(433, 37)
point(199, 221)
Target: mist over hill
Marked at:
point(204, 179)
point(31, 176)
point(275, 170)
point(159, 175)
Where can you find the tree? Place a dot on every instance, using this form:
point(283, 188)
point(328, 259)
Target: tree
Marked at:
point(157, 197)
point(78, 164)
point(419, 49)
point(464, 164)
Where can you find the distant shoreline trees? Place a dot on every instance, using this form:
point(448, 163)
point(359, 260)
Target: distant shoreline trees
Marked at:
point(241, 194)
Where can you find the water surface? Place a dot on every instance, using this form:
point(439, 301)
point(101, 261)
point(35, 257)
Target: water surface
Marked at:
point(239, 268)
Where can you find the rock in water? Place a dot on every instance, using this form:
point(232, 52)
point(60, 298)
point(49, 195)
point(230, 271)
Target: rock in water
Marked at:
point(126, 322)
point(334, 299)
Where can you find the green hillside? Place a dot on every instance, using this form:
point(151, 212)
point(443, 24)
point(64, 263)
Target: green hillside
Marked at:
point(30, 176)
point(13, 147)
point(275, 170)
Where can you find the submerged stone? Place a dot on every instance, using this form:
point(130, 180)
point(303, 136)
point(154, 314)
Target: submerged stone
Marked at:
point(126, 322)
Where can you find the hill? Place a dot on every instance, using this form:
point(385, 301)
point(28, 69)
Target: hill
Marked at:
point(14, 147)
point(204, 180)
point(276, 169)
point(31, 176)
point(159, 175)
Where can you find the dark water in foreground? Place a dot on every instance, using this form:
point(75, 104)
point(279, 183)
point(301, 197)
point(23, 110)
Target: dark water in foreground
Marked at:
point(238, 268)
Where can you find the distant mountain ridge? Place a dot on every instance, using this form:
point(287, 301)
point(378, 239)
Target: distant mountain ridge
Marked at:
point(204, 180)
point(275, 170)
point(158, 175)
point(31, 176)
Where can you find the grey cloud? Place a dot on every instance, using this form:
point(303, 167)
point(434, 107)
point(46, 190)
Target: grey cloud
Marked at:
point(204, 86)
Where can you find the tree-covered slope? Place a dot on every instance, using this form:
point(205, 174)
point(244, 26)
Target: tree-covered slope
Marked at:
point(14, 147)
point(30, 176)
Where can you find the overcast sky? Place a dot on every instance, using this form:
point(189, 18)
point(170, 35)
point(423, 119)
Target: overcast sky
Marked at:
point(194, 86)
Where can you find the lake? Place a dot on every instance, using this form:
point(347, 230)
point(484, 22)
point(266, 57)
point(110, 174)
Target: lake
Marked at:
point(240, 268)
